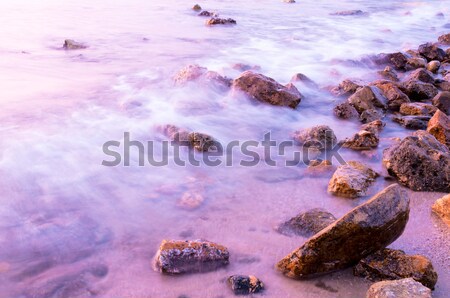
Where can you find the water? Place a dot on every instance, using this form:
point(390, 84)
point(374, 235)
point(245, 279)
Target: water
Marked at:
point(72, 227)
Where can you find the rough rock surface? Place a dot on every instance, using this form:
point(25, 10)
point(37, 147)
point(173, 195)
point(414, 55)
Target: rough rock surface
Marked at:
point(267, 90)
point(412, 122)
point(422, 75)
point(371, 115)
point(195, 72)
point(418, 90)
point(299, 77)
point(445, 38)
point(199, 141)
point(439, 127)
point(388, 74)
point(368, 97)
point(419, 162)
point(347, 87)
point(220, 21)
point(403, 288)
point(397, 60)
point(320, 137)
point(363, 140)
point(307, 223)
point(442, 208)
point(361, 232)
point(417, 109)
point(345, 111)
point(374, 126)
point(351, 180)
point(390, 264)
point(395, 97)
point(70, 44)
point(431, 52)
point(415, 63)
point(442, 101)
point(245, 285)
point(175, 257)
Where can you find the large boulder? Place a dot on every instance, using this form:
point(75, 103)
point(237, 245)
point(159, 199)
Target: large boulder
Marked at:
point(431, 52)
point(439, 127)
point(307, 223)
point(442, 102)
point(419, 162)
point(418, 90)
point(442, 208)
point(176, 257)
point(368, 98)
point(390, 264)
point(361, 232)
point(245, 285)
point(319, 136)
point(388, 74)
point(351, 180)
point(395, 97)
point(415, 63)
point(403, 288)
point(267, 90)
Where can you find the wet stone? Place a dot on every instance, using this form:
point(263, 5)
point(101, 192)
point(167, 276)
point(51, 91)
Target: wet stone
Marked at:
point(418, 90)
point(433, 66)
point(355, 12)
point(299, 77)
point(197, 7)
point(347, 87)
point(307, 223)
point(442, 101)
point(417, 109)
point(70, 44)
point(388, 74)
point(439, 127)
point(444, 39)
point(371, 115)
point(363, 140)
point(345, 111)
point(368, 97)
point(321, 137)
point(442, 208)
point(220, 21)
point(395, 97)
point(431, 52)
point(403, 288)
point(415, 63)
point(245, 285)
point(422, 75)
point(412, 122)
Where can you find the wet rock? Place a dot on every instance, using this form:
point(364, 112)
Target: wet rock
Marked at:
point(388, 74)
point(368, 97)
point(439, 127)
point(398, 60)
point(419, 162)
point(197, 73)
point(417, 109)
point(191, 199)
point(445, 38)
point(347, 87)
point(197, 7)
point(415, 63)
point(442, 101)
point(371, 115)
point(363, 140)
point(355, 12)
point(307, 223)
point(70, 44)
point(245, 285)
point(267, 90)
point(431, 52)
point(361, 232)
point(422, 75)
point(244, 67)
point(374, 126)
point(175, 133)
point(351, 180)
point(390, 264)
point(395, 97)
point(206, 13)
point(433, 66)
point(403, 288)
point(176, 257)
point(443, 85)
point(412, 122)
point(203, 142)
point(418, 90)
point(220, 21)
point(289, 1)
point(345, 111)
point(299, 77)
point(442, 208)
point(320, 137)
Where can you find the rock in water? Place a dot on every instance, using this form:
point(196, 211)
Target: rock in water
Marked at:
point(70, 44)
point(175, 257)
point(417, 109)
point(422, 75)
point(442, 208)
point(267, 90)
point(219, 21)
point(361, 232)
point(345, 111)
point(390, 264)
point(368, 98)
point(418, 90)
point(445, 38)
point(351, 180)
point(320, 137)
point(197, 7)
point(395, 97)
point(442, 102)
point(419, 162)
point(307, 223)
point(403, 288)
point(412, 122)
point(245, 285)
point(439, 127)
point(363, 140)
point(431, 52)
point(433, 66)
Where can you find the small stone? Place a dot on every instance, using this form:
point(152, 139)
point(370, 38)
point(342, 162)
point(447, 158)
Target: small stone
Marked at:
point(206, 13)
point(403, 288)
point(299, 77)
point(431, 52)
point(412, 122)
point(433, 66)
point(197, 7)
point(317, 167)
point(351, 180)
point(442, 102)
point(70, 44)
point(307, 223)
point(371, 115)
point(444, 39)
point(196, 73)
point(219, 21)
point(374, 126)
point(442, 208)
point(345, 110)
point(417, 109)
point(321, 137)
point(439, 127)
point(355, 12)
point(245, 285)
point(203, 142)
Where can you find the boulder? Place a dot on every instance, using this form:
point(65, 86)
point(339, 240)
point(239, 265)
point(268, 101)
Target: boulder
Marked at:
point(299, 77)
point(220, 21)
point(245, 284)
point(307, 223)
point(70, 44)
point(368, 97)
point(351, 180)
point(412, 122)
point(422, 75)
point(317, 167)
point(417, 109)
point(176, 257)
point(200, 74)
point(345, 110)
point(442, 101)
point(175, 134)
point(442, 208)
point(433, 66)
point(264, 89)
point(347, 87)
point(395, 97)
point(374, 126)
point(361, 232)
point(445, 39)
point(403, 288)
point(443, 85)
point(419, 162)
point(418, 90)
point(439, 127)
point(415, 63)
point(390, 264)
point(388, 74)
point(320, 136)
point(371, 115)
point(431, 52)
point(397, 60)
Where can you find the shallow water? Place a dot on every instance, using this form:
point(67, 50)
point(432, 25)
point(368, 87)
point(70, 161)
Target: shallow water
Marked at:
point(72, 227)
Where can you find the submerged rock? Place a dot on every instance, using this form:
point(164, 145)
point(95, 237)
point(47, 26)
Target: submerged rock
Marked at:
point(442, 102)
point(419, 162)
point(351, 180)
point(191, 199)
point(431, 52)
point(367, 98)
point(445, 38)
point(201, 74)
point(245, 285)
point(361, 232)
point(439, 127)
point(417, 109)
point(307, 223)
point(442, 208)
point(355, 12)
point(345, 111)
point(395, 97)
point(390, 264)
point(198, 141)
point(70, 44)
point(320, 137)
point(244, 67)
point(418, 90)
point(206, 13)
point(267, 90)
point(299, 77)
point(412, 122)
point(219, 21)
point(403, 288)
point(176, 257)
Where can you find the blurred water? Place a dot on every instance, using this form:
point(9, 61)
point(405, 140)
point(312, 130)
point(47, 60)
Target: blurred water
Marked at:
point(71, 227)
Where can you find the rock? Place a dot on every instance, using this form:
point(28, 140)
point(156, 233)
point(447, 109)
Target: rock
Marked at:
point(299, 77)
point(197, 7)
point(355, 12)
point(320, 137)
point(442, 101)
point(390, 264)
point(197, 73)
point(412, 122)
point(206, 13)
point(318, 168)
point(431, 52)
point(439, 127)
point(417, 109)
point(418, 90)
point(244, 67)
point(395, 97)
point(443, 85)
point(363, 140)
point(433, 66)
point(442, 208)
point(347, 87)
point(351, 180)
point(264, 89)
point(219, 21)
point(403, 288)
point(345, 111)
point(307, 223)
point(398, 60)
point(374, 126)
point(367, 98)
point(191, 200)
point(176, 257)
point(361, 232)
point(445, 38)
point(175, 134)
point(422, 75)
point(370, 115)
point(388, 74)
point(245, 285)
point(203, 142)
point(419, 162)
point(415, 63)
point(289, 1)
point(70, 44)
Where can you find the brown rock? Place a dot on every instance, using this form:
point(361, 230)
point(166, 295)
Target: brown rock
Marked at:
point(431, 52)
point(418, 90)
point(318, 167)
point(176, 257)
point(320, 137)
point(347, 87)
point(445, 38)
point(70, 44)
point(175, 133)
point(403, 288)
point(398, 60)
point(361, 232)
point(443, 85)
point(439, 127)
point(351, 180)
point(197, 7)
point(345, 111)
point(433, 66)
point(412, 122)
point(374, 126)
point(417, 109)
point(206, 13)
point(395, 97)
point(390, 264)
point(299, 77)
point(415, 63)
point(422, 75)
point(245, 285)
point(203, 142)
point(307, 224)
point(368, 97)
point(371, 115)
point(197, 73)
point(219, 21)
point(363, 140)
point(442, 102)
point(267, 90)
point(388, 74)
point(244, 67)
point(442, 208)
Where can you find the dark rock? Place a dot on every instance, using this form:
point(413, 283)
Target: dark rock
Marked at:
point(307, 223)
point(267, 90)
point(390, 264)
point(197, 7)
point(412, 122)
point(439, 127)
point(433, 66)
point(442, 102)
point(351, 180)
point(417, 109)
point(431, 52)
point(355, 12)
point(299, 77)
point(244, 67)
point(445, 38)
point(347, 87)
point(368, 97)
point(388, 74)
point(361, 232)
point(203, 142)
point(419, 162)
point(320, 137)
point(442, 208)
point(375, 126)
point(345, 111)
point(317, 167)
point(422, 75)
point(395, 97)
point(443, 85)
point(371, 115)
point(70, 44)
point(415, 63)
point(219, 21)
point(175, 257)
point(245, 285)
point(403, 288)
point(206, 13)
point(398, 60)
point(418, 90)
